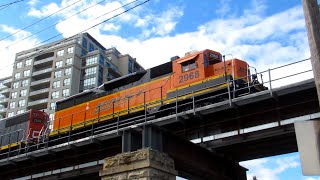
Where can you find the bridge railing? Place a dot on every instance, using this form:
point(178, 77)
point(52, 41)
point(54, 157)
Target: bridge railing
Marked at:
point(175, 106)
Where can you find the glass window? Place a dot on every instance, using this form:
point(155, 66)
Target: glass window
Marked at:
point(52, 106)
point(28, 62)
point(22, 103)
point(60, 53)
point(10, 114)
point(66, 82)
point(19, 64)
point(89, 83)
point(25, 83)
point(70, 50)
point(91, 47)
point(56, 84)
point(59, 64)
point(84, 43)
point(12, 105)
point(67, 71)
point(20, 111)
point(26, 73)
point(17, 75)
point(57, 74)
point(23, 92)
point(188, 65)
point(55, 94)
point(89, 71)
point(130, 65)
point(68, 61)
point(65, 92)
point(91, 60)
point(15, 85)
point(14, 95)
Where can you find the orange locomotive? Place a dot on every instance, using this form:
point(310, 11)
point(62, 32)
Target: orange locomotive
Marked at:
point(199, 73)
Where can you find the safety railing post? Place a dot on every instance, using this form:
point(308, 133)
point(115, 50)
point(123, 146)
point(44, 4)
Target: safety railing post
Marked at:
point(229, 93)
point(161, 95)
point(270, 84)
point(118, 119)
point(176, 104)
point(193, 103)
point(145, 108)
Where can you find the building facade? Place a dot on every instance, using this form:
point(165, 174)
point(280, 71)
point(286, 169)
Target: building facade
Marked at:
point(45, 74)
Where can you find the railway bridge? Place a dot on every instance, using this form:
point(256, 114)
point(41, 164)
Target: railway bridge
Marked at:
point(233, 130)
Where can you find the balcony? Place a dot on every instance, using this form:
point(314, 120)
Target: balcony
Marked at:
point(39, 94)
point(40, 84)
point(7, 82)
point(38, 104)
point(44, 73)
point(44, 63)
point(5, 92)
point(3, 112)
point(4, 101)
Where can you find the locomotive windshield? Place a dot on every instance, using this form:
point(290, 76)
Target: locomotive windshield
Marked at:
point(188, 65)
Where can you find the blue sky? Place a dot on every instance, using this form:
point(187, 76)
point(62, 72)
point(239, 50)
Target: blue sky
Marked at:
point(266, 33)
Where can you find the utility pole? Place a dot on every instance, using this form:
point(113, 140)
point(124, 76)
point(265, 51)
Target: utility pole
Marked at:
point(312, 18)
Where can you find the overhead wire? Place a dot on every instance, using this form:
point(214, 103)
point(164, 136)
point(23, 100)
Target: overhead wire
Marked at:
point(34, 23)
point(3, 6)
point(89, 27)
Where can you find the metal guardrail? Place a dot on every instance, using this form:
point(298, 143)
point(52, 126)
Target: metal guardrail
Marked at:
point(176, 109)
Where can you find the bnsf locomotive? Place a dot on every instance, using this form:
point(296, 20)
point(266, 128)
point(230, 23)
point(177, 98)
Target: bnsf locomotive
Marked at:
point(198, 74)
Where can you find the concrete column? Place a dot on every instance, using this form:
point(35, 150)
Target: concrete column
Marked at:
point(144, 164)
point(311, 14)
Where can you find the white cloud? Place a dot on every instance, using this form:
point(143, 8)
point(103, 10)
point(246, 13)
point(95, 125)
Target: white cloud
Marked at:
point(33, 2)
point(47, 10)
point(9, 47)
point(266, 169)
point(111, 27)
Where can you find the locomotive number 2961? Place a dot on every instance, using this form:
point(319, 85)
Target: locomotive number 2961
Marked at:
point(189, 76)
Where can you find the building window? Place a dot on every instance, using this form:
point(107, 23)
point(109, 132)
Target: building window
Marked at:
point(59, 64)
point(52, 106)
point(57, 74)
point(10, 114)
point(67, 71)
point(66, 82)
point(19, 65)
point(68, 61)
point(14, 95)
point(12, 105)
point(65, 92)
point(23, 92)
point(22, 103)
point(55, 94)
point(28, 62)
point(91, 60)
point(90, 71)
point(60, 53)
point(20, 111)
point(130, 65)
point(89, 83)
point(84, 43)
point(15, 85)
point(26, 73)
point(25, 83)
point(56, 84)
point(91, 47)
point(70, 50)
point(17, 75)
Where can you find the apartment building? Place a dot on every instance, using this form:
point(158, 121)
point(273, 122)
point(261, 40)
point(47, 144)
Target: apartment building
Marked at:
point(45, 74)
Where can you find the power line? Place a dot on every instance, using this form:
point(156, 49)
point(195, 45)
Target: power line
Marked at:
point(39, 20)
point(69, 18)
point(102, 21)
point(8, 4)
point(43, 50)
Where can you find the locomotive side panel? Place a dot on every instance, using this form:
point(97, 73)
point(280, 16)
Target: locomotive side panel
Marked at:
point(118, 102)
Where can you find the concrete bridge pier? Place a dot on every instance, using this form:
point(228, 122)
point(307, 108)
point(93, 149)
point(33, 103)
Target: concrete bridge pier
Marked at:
point(163, 156)
point(143, 164)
